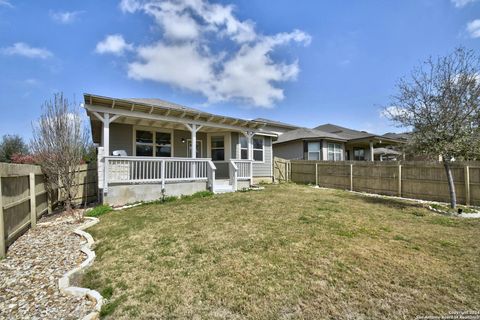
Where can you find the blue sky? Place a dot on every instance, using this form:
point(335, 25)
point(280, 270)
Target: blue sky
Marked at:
point(302, 62)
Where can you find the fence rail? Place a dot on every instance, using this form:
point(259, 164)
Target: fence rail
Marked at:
point(24, 198)
point(149, 170)
point(418, 180)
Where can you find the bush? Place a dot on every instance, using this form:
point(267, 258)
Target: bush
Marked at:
point(99, 211)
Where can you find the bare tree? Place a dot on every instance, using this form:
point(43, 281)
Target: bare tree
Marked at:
point(59, 142)
point(440, 103)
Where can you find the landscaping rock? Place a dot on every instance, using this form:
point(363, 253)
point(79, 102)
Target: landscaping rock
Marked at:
point(29, 275)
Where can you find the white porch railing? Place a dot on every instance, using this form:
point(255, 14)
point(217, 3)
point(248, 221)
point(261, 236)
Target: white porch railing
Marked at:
point(160, 170)
point(240, 170)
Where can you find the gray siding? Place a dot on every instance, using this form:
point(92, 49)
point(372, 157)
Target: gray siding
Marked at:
point(121, 137)
point(264, 169)
point(180, 148)
point(292, 150)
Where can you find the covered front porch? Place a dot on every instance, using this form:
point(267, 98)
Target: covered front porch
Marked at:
point(150, 150)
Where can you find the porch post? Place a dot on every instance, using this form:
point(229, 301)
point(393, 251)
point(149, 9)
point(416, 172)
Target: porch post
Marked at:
point(106, 134)
point(372, 157)
point(249, 135)
point(193, 130)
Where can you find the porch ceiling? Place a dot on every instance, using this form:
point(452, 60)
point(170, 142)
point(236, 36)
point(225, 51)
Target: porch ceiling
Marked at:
point(159, 113)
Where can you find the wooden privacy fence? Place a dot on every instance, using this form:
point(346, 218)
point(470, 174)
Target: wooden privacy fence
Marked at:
point(24, 198)
point(417, 180)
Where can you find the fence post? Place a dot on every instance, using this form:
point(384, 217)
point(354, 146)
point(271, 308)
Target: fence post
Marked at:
point(316, 174)
point(467, 185)
point(33, 201)
point(351, 176)
point(2, 225)
point(400, 180)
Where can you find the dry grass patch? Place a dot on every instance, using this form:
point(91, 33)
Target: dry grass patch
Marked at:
point(288, 252)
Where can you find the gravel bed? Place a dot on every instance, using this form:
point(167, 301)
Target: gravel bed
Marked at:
point(29, 275)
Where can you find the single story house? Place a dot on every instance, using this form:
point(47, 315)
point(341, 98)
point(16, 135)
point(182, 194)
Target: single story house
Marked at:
point(150, 147)
point(335, 143)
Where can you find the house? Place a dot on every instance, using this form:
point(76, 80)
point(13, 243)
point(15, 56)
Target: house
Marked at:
point(150, 147)
point(336, 143)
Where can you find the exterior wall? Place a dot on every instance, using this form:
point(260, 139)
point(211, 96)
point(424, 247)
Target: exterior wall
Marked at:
point(264, 169)
point(180, 148)
point(292, 150)
point(119, 195)
point(121, 138)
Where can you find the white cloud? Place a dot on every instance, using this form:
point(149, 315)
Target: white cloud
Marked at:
point(113, 43)
point(65, 17)
point(5, 3)
point(473, 28)
point(205, 48)
point(462, 3)
point(25, 50)
point(392, 111)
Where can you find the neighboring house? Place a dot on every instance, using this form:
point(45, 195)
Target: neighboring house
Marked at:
point(150, 148)
point(336, 143)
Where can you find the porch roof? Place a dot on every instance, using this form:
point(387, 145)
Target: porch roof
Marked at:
point(157, 112)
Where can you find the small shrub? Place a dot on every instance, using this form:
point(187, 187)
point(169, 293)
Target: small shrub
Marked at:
point(99, 211)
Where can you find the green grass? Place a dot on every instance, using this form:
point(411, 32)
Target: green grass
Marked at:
point(99, 211)
point(287, 252)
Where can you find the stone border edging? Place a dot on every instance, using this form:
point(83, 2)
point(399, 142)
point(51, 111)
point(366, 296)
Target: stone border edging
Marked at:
point(64, 282)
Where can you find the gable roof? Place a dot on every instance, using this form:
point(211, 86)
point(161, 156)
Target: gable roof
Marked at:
point(345, 133)
point(306, 133)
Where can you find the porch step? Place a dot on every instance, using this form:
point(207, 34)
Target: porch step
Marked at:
point(222, 186)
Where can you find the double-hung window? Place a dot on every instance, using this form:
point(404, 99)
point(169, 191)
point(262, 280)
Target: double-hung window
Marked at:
point(243, 147)
point(153, 144)
point(314, 151)
point(334, 152)
point(218, 148)
point(258, 144)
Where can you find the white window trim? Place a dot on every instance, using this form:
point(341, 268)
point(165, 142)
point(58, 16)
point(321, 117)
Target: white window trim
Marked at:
point(335, 151)
point(201, 147)
point(319, 150)
point(153, 130)
point(263, 149)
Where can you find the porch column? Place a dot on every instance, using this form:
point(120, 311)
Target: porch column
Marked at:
point(372, 157)
point(106, 120)
point(106, 134)
point(193, 130)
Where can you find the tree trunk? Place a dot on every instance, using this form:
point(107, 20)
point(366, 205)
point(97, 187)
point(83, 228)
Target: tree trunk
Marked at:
point(451, 185)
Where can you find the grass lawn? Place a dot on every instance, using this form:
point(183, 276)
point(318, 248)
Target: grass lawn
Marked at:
point(287, 252)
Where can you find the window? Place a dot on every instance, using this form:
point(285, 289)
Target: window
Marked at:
point(258, 149)
point(144, 144)
point(243, 147)
point(153, 144)
point(313, 151)
point(258, 152)
point(334, 152)
point(359, 154)
point(218, 148)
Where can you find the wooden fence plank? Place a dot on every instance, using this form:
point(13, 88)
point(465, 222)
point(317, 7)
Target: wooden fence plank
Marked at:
point(33, 201)
point(2, 224)
point(420, 180)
